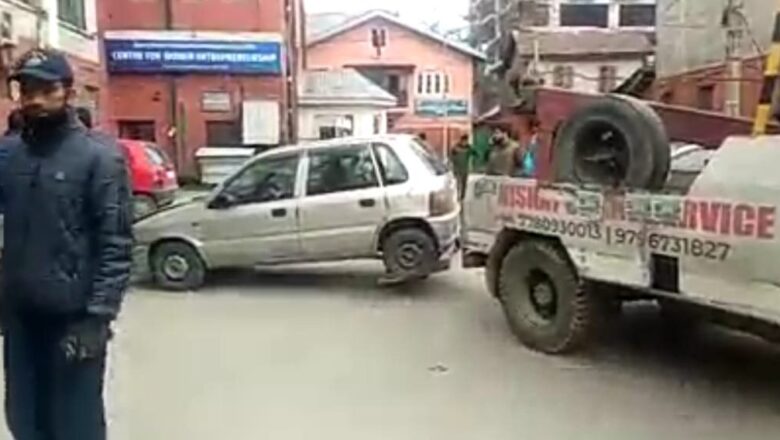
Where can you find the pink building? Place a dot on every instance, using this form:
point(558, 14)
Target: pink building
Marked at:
point(432, 77)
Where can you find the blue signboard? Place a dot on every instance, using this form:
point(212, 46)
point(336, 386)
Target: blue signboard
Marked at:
point(442, 107)
point(193, 56)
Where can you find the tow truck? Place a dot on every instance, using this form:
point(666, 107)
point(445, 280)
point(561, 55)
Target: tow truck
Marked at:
point(561, 255)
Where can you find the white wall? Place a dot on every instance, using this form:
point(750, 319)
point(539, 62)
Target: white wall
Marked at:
point(308, 128)
point(586, 73)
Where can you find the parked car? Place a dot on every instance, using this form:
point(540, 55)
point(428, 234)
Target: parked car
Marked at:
point(378, 197)
point(153, 176)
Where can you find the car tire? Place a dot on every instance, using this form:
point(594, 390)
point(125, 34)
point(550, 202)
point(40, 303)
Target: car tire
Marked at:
point(143, 205)
point(612, 142)
point(546, 306)
point(177, 266)
point(409, 253)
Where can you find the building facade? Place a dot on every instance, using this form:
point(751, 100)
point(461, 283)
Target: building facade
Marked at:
point(211, 73)
point(341, 102)
point(589, 46)
point(70, 26)
point(431, 77)
point(710, 54)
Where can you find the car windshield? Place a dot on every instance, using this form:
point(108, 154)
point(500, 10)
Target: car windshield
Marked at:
point(432, 162)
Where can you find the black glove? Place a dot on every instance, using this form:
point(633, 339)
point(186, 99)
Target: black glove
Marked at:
point(86, 339)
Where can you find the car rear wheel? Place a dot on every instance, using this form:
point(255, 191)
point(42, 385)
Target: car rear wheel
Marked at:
point(409, 253)
point(546, 306)
point(143, 205)
point(177, 266)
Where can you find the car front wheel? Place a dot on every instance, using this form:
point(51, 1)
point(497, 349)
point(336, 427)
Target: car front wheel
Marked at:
point(177, 266)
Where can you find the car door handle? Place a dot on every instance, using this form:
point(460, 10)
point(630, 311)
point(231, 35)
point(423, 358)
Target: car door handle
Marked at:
point(367, 203)
point(279, 212)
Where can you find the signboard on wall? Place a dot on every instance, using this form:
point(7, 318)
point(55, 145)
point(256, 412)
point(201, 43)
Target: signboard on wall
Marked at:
point(125, 55)
point(215, 102)
point(441, 107)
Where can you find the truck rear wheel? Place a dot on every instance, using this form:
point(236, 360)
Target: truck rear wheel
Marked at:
point(546, 306)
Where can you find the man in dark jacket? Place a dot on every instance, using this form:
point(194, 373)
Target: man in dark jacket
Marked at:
point(68, 246)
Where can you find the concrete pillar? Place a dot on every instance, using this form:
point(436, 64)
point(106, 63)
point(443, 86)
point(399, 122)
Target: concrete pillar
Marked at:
point(51, 35)
point(614, 15)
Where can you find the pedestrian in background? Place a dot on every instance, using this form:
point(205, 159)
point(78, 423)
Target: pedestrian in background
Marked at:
point(503, 154)
point(68, 232)
point(460, 160)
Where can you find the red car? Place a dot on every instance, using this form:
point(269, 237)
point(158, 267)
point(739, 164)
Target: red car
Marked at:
point(152, 174)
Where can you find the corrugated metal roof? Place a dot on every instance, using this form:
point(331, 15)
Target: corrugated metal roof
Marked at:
point(343, 86)
point(586, 42)
point(317, 24)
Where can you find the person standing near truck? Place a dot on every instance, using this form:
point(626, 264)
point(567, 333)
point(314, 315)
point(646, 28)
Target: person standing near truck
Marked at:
point(503, 154)
point(460, 158)
point(68, 231)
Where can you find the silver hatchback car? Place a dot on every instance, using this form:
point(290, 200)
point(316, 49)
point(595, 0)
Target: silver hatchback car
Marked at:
point(351, 198)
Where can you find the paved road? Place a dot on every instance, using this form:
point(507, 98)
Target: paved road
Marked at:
point(320, 353)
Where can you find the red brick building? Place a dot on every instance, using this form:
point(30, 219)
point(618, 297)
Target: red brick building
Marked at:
point(208, 73)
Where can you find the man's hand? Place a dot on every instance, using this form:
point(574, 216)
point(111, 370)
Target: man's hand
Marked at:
point(86, 339)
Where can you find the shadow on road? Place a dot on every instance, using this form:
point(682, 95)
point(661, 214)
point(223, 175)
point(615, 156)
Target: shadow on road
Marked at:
point(343, 279)
point(731, 363)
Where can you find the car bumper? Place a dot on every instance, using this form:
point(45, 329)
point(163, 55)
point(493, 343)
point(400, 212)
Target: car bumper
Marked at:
point(164, 197)
point(141, 268)
point(447, 231)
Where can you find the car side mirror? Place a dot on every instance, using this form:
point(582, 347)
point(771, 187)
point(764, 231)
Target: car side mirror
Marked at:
point(223, 201)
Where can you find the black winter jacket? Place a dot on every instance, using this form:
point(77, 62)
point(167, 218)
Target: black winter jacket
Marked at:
point(68, 225)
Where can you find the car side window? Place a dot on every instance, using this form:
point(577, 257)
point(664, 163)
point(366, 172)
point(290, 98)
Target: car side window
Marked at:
point(341, 169)
point(266, 181)
point(391, 168)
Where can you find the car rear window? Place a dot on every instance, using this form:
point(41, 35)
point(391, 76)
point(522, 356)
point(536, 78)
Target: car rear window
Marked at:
point(434, 164)
point(156, 156)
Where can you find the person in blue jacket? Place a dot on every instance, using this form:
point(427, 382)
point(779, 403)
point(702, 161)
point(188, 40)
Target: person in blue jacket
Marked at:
point(67, 258)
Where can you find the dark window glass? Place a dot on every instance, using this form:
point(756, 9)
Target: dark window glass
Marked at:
point(637, 15)
point(137, 130)
point(266, 180)
point(72, 12)
point(341, 169)
point(223, 134)
point(585, 15)
point(391, 168)
point(705, 97)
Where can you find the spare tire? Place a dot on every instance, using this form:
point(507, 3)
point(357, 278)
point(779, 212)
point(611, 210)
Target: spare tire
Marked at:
point(662, 151)
point(613, 141)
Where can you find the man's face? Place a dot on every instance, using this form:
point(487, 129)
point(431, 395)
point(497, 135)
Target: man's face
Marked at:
point(40, 99)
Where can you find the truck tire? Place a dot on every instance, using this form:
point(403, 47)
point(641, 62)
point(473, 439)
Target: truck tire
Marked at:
point(612, 142)
point(177, 266)
point(662, 147)
point(545, 304)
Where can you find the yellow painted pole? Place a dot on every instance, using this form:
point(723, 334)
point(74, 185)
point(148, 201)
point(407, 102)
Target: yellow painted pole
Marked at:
point(771, 75)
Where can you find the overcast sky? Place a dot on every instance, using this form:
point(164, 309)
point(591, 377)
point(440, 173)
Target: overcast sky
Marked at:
point(448, 12)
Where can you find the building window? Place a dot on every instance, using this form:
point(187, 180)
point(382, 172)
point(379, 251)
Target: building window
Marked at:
point(379, 37)
point(637, 15)
point(607, 78)
point(222, 134)
point(433, 83)
point(541, 17)
point(72, 12)
point(563, 76)
point(577, 15)
point(705, 97)
point(667, 97)
point(137, 130)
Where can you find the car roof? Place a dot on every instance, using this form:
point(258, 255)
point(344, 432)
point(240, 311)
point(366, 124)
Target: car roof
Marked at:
point(337, 142)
